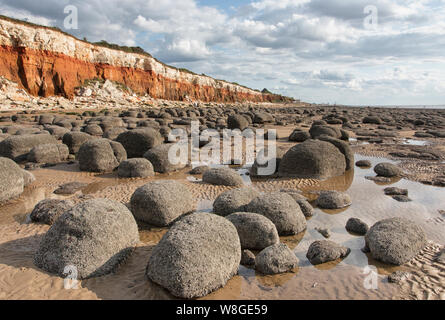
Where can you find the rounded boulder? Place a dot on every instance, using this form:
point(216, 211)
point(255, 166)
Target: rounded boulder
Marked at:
point(92, 239)
point(197, 256)
point(255, 231)
point(162, 202)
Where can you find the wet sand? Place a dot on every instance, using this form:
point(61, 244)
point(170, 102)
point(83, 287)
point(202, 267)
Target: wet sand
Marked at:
point(19, 239)
point(20, 279)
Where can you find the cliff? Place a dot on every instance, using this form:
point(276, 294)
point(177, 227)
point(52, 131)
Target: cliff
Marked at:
point(47, 62)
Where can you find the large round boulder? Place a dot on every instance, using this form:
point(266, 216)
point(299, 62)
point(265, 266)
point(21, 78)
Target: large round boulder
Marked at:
point(255, 231)
point(263, 117)
point(92, 238)
point(161, 202)
point(282, 210)
point(234, 200)
point(321, 130)
point(18, 147)
point(135, 168)
point(237, 121)
point(159, 158)
point(49, 153)
point(49, 210)
point(137, 142)
point(100, 155)
point(12, 179)
point(197, 256)
point(222, 177)
point(344, 148)
point(276, 259)
point(395, 240)
point(299, 136)
point(74, 140)
point(313, 159)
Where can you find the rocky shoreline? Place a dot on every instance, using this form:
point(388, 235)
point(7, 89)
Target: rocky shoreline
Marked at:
point(348, 174)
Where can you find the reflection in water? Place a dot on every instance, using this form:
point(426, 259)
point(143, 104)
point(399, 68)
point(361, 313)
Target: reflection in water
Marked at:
point(413, 142)
point(368, 203)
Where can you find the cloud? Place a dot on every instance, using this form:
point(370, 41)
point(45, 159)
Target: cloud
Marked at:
point(318, 50)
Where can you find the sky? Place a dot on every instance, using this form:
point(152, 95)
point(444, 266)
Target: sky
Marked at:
point(355, 52)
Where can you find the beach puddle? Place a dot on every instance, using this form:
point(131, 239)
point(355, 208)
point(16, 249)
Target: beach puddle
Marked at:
point(342, 279)
point(413, 142)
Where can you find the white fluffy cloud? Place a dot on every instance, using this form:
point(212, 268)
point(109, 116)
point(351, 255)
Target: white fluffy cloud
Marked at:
point(316, 50)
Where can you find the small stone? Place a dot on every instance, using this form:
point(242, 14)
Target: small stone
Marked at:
point(70, 188)
point(324, 232)
point(357, 226)
point(363, 164)
point(393, 191)
point(398, 276)
point(333, 200)
point(276, 259)
point(247, 258)
point(323, 251)
point(401, 198)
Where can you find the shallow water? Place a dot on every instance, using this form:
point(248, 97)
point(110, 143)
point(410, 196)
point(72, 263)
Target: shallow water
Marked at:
point(334, 280)
point(413, 142)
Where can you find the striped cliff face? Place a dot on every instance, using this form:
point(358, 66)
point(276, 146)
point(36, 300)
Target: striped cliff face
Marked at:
point(48, 62)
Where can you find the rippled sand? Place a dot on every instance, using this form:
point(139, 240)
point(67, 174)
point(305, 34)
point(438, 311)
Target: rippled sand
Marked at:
point(20, 279)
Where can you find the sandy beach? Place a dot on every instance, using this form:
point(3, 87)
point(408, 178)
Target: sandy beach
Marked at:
point(336, 280)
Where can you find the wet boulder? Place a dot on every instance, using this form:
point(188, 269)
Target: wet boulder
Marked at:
point(49, 153)
point(74, 140)
point(234, 200)
point(94, 130)
point(363, 164)
point(100, 155)
point(137, 142)
point(313, 159)
point(317, 131)
point(247, 258)
point(18, 147)
point(344, 148)
point(282, 210)
point(113, 133)
point(357, 226)
point(12, 179)
point(197, 256)
point(323, 251)
point(162, 202)
point(299, 136)
point(49, 210)
point(222, 177)
point(255, 231)
point(276, 259)
point(70, 188)
point(92, 238)
point(395, 240)
point(388, 170)
point(262, 118)
point(237, 121)
point(333, 200)
point(160, 159)
point(135, 168)
point(372, 120)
